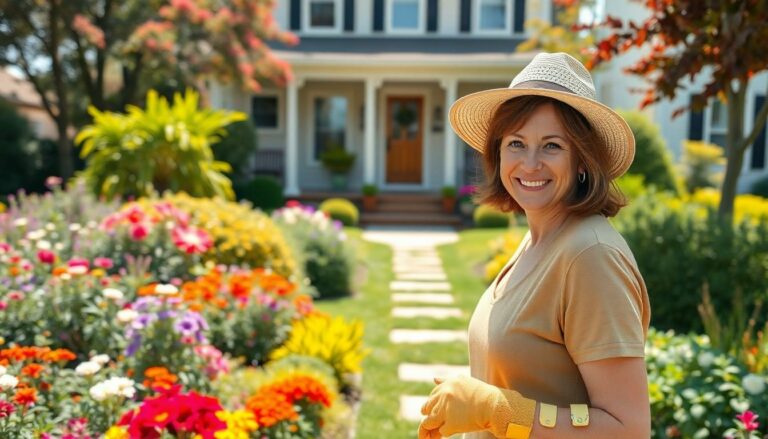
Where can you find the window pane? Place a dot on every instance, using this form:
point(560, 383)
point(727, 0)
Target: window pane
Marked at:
point(321, 14)
point(405, 14)
point(719, 115)
point(492, 14)
point(264, 111)
point(330, 123)
point(717, 139)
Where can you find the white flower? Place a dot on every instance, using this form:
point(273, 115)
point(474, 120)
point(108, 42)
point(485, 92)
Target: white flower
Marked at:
point(8, 382)
point(59, 246)
point(36, 234)
point(92, 224)
point(753, 384)
point(43, 245)
point(100, 359)
point(65, 276)
point(20, 222)
point(697, 410)
point(113, 387)
point(166, 289)
point(87, 368)
point(3, 370)
point(706, 359)
point(50, 226)
point(112, 293)
point(77, 269)
point(74, 227)
point(126, 315)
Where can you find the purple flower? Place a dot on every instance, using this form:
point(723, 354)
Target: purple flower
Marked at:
point(134, 346)
point(166, 314)
point(191, 326)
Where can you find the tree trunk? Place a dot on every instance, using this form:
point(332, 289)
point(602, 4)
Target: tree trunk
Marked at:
point(734, 152)
point(64, 147)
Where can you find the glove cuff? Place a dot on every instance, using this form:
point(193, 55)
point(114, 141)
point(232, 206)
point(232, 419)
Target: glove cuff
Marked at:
point(512, 415)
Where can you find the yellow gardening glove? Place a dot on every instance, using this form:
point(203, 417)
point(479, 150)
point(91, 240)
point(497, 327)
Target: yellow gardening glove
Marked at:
point(465, 404)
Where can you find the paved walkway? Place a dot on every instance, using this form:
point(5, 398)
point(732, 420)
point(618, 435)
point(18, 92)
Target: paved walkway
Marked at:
point(420, 290)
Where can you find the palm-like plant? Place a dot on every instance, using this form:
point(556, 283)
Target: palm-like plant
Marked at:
point(159, 148)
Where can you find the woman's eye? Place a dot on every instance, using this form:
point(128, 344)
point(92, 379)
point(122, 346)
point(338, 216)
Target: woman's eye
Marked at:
point(552, 145)
point(515, 144)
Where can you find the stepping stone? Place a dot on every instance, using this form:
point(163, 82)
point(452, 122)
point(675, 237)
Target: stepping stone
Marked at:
point(421, 276)
point(406, 285)
point(426, 372)
point(426, 311)
point(431, 298)
point(426, 336)
point(421, 254)
point(399, 260)
point(432, 269)
point(410, 407)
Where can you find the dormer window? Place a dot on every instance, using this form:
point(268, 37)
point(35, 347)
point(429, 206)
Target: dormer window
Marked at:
point(405, 16)
point(322, 16)
point(493, 16)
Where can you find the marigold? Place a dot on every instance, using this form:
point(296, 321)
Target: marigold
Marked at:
point(32, 370)
point(25, 396)
point(270, 407)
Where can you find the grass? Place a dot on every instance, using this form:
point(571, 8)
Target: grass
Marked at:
point(379, 412)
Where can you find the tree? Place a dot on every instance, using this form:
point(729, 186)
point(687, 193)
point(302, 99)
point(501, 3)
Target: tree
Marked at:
point(724, 40)
point(67, 49)
point(559, 36)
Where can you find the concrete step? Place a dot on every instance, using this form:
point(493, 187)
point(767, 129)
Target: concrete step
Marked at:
point(410, 207)
point(410, 218)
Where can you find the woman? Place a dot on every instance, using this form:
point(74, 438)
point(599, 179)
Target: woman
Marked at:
point(556, 343)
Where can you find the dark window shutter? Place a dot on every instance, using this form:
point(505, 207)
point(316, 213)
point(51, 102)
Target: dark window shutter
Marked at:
point(432, 16)
point(378, 15)
point(519, 16)
point(349, 15)
point(466, 16)
point(758, 148)
point(295, 14)
point(695, 124)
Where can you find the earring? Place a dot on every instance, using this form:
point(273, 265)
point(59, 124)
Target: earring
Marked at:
point(582, 177)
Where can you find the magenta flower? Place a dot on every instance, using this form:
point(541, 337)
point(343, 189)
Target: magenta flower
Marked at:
point(79, 262)
point(6, 409)
point(46, 256)
point(139, 231)
point(191, 240)
point(749, 419)
point(105, 263)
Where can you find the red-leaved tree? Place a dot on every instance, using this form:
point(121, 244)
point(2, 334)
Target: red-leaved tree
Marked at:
point(724, 40)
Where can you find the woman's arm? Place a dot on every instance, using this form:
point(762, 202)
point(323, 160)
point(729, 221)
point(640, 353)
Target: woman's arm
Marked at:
point(618, 391)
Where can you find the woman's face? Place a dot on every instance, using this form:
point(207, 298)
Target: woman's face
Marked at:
point(538, 164)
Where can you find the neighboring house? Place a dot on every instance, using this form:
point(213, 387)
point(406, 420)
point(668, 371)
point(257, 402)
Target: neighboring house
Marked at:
point(23, 96)
point(377, 77)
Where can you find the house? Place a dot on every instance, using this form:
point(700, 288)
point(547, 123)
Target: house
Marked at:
point(377, 77)
point(22, 95)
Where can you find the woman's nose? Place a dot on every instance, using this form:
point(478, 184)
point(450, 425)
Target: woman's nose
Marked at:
point(531, 161)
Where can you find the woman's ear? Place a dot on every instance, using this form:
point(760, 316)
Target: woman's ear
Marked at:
point(582, 169)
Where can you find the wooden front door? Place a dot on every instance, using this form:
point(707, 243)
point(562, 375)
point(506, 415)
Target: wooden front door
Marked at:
point(404, 139)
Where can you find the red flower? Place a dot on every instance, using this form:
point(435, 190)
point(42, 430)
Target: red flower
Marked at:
point(139, 231)
point(25, 396)
point(32, 370)
point(46, 256)
point(104, 263)
point(192, 240)
point(6, 409)
point(749, 419)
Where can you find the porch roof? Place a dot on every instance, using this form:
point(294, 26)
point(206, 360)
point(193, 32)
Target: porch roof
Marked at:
point(513, 60)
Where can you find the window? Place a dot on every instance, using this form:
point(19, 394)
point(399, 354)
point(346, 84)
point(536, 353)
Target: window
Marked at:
point(718, 127)
point(264, 112)
point(330, 123)
point(322, 15)
point(406, 16)
point(493, 16)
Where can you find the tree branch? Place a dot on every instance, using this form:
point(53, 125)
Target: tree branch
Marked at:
point(33, 79)
point(758, 126)
point(86, 72)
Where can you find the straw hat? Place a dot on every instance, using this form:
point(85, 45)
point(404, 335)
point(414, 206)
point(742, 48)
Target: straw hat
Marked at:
point(558, 76)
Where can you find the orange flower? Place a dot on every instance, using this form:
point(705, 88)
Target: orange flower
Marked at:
point(270, 407)
point(159, 377)
point(14, 270)
point(58, 271)
point(25, 396)
point(58, 355)
point(32, 370)
point(147, 290)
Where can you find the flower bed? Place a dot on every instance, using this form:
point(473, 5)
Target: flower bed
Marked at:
point(161, 319)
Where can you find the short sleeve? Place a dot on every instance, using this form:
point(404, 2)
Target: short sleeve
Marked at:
point(604, 309)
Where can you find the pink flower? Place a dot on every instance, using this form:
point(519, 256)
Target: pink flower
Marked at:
point(6, 409)
point(79, 262)
point(749, 419)
point(139, 231)
point(16, 295)
point(5, 247)
point(3, 305)
point(104, 263)
point(46, 256)
point(191, 239)
point(53, 181)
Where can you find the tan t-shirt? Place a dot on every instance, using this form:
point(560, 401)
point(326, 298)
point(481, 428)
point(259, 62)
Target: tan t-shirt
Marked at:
point(580, 298)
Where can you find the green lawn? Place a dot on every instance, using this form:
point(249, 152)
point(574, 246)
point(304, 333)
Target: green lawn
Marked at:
point(372, 304)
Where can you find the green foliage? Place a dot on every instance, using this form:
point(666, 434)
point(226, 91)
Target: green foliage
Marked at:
point(165, 147)
point(341, 209)
point(370, 189)
point(337, 160)
point(631, 185)
point(448, 191)
point(236, 146)
point(15, 135)
point(486, 216)
point(262, 192)
point(700, 161)
point(681, 246)
point(652, 158)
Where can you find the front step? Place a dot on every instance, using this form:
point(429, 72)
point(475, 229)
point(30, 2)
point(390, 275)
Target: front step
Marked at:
point(410, 218)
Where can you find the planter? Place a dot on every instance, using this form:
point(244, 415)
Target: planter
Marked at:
point(449, 204)
point(339, 182)
point(467, 208)
point(369, 203)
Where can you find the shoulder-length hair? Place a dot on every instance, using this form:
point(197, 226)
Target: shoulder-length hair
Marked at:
point(597, 194)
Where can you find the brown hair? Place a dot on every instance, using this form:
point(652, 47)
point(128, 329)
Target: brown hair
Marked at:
point(598, 194)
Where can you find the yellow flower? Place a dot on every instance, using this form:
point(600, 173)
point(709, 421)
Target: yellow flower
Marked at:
point(239, 424)
point(2, 207)
point(116, 432)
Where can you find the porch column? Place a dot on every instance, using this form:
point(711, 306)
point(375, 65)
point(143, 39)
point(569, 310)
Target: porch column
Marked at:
point(450, 86)
point(291, 162)
point(369, 169)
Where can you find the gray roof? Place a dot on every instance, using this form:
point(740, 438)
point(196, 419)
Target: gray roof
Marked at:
point(389, 44)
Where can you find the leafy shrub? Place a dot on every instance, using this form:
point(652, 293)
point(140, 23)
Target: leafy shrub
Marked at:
point(501, 250)
point(631, 185)
point(165, 147)
point(15, 135)
point(370, 189)
point(237, 145)
point(700, 162)
point(488, 217)
point(652, 158)
point(325, 252)
point(342, 210)
point(448, 191)
point(696, 391)
point(262, 191)
point(679, 246)
point(337, 160)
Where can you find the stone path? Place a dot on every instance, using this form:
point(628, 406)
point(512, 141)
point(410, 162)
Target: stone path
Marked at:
point(420, 290)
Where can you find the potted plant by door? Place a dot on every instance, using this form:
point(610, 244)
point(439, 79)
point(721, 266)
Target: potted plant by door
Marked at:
point(338, 162)
point(449, 199)
point(369, 197)
point(466, 204)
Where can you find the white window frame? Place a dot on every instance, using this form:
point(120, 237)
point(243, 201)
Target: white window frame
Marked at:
point(269, 94)
point(420, 29)
point(348, 126)
point(709, 128)
point(306, 19)
point(477, 6)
